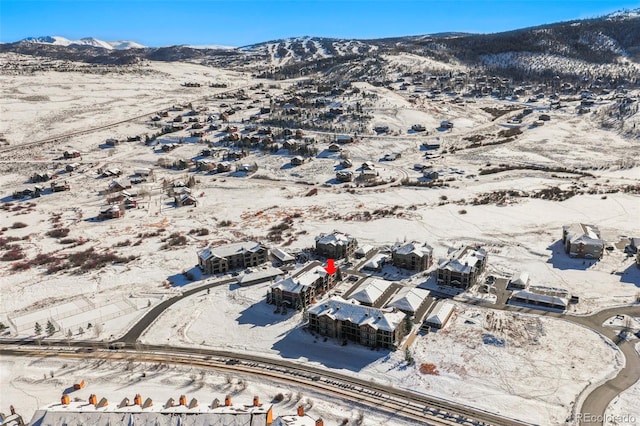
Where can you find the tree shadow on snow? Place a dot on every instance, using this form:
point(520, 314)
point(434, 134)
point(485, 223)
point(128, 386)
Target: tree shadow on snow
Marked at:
point(561, 260)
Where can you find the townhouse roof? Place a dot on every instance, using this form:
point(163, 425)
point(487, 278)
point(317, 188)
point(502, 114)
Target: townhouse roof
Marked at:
point(419, 249)
point(301, 279)
point(371, 290)
point(441, 313)
point(583, 233)
point(464, 260)
point(339, 309)
point(229, 249)
point(335, 239)
point(409, 299)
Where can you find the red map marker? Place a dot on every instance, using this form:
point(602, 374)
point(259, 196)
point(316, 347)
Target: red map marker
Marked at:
point(331, 268)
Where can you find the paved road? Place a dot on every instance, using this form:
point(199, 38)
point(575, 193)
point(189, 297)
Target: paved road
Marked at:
point(136, 331)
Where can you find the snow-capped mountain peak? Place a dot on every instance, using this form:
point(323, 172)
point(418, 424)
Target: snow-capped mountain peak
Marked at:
point(86, 41)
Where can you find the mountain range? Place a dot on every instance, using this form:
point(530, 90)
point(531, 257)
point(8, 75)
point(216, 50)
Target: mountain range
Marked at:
point(87, 41)
point(609, 43)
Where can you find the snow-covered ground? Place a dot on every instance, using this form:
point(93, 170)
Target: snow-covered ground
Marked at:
point(520, 233)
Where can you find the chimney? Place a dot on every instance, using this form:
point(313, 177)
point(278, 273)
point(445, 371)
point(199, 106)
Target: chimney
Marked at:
point(93, 399)
point(227, 401)
point(64, 400)
point(103, 403)
point(170, 403)
point(319, 422)
point(147, 403)
point(183, 400)
point(300, 410)
point(256, 401)
point(13, 410)
point(137, 400)
point(193, 403)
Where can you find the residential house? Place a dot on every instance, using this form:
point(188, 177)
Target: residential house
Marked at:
point(223, 166)
point(345, 139)
point(348, 320)
point(297, 160)
point(302, 287)
point(581, 240)
point(185, 200)
point(368, 165)
point(59, 186)
point(336, 245)
point(71, 154)
point(344, 176)
point(334, 147)
point(463, 267)
point(111, 211)
point(115, 186)
point(221, 259)
point(368, 175)
point(413, 256)
point(40, 177)
point(71, 167)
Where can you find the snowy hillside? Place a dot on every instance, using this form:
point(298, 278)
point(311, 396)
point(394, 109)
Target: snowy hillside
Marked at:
point(86, 41)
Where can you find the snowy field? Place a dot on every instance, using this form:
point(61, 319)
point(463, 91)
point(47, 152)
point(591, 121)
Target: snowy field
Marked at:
point(148, 254)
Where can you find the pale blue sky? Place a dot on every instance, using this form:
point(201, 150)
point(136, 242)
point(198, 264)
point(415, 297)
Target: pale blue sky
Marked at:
point(243, 22)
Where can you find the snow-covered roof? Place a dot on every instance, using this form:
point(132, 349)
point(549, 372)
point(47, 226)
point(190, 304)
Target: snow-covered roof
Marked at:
point(335, 238)
point(419, 249)
point(294, 420)
point(441, 313)
point(282, 255)
point(409, 299)
point(339, 309)
point(201, 415)
point(370, 290)
point(229, 249)
point(301, 279)
point(521, 279)
point(364, 249)
point(582, 233)
point(529, 296)
point(464, 259)
point(376, 261)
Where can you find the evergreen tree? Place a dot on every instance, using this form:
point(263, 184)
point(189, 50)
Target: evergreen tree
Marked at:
point(37, 329)
point(50, 328)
